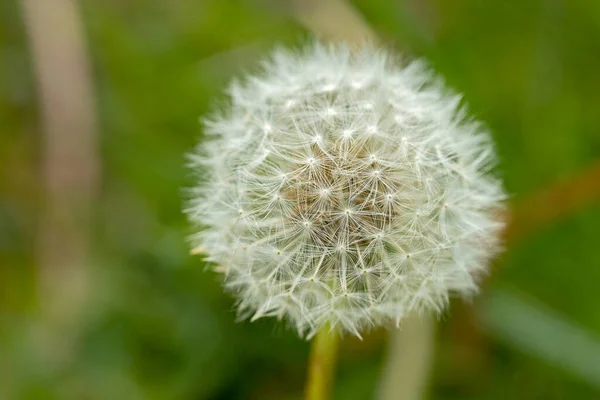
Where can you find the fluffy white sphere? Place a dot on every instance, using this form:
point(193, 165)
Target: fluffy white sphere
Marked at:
point(338, 188)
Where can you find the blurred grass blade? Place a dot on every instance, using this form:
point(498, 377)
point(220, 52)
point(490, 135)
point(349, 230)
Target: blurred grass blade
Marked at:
point(539, 331)
point(332, 20)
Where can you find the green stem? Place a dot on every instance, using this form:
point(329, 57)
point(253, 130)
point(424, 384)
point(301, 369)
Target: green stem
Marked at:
point(321, 365)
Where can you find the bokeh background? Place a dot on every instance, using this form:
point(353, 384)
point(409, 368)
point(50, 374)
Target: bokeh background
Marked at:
point(99, 297)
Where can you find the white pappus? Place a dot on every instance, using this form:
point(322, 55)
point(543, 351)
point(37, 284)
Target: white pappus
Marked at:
point(342, 188)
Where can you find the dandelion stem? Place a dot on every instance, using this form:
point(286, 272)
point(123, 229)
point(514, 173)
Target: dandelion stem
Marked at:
point(321, 365)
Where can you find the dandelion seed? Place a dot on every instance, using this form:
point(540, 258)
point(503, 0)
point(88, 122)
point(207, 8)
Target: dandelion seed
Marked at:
point(352, 221)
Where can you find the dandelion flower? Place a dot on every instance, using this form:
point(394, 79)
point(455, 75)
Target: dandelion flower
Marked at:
point(345, 189)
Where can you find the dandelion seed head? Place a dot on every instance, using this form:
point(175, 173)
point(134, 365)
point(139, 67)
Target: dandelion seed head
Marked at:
point(358, 191)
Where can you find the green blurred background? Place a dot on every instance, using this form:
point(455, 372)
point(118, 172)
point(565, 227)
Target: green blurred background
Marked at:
point(154, 323)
